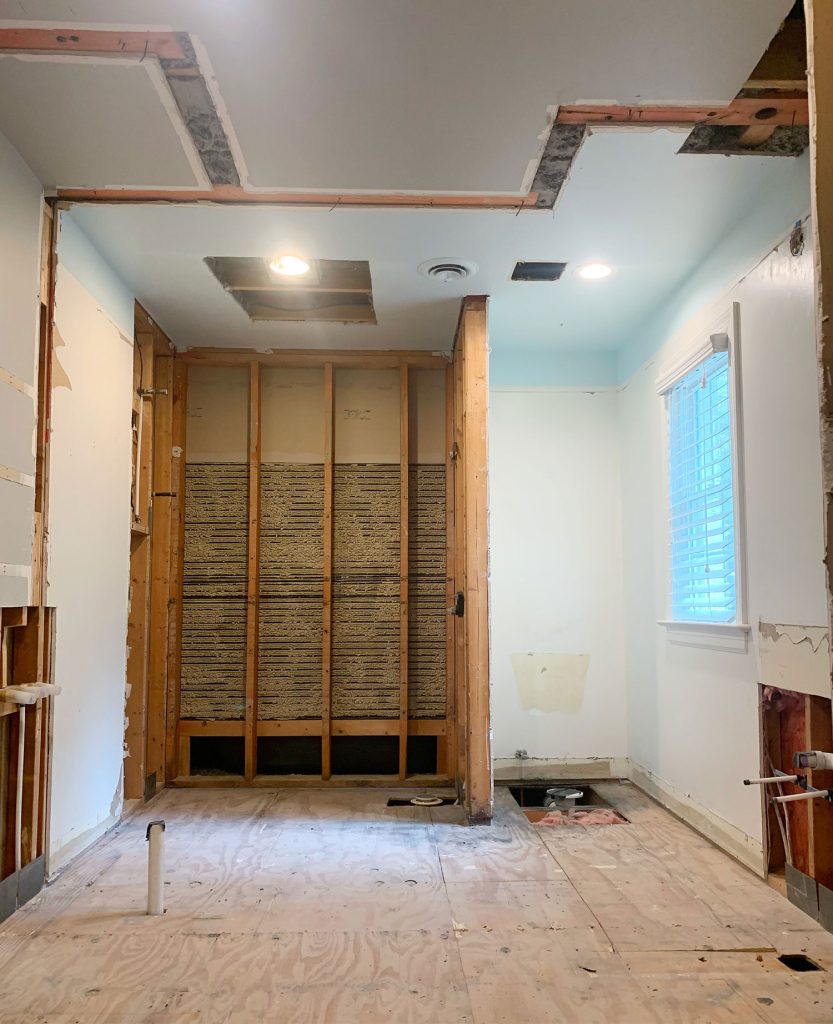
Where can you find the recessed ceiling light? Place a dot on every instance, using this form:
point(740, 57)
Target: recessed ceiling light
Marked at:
point(289, 266)
point(594, 271)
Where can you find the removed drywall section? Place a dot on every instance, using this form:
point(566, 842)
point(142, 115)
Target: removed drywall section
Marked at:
point(558, 687)
point(693, 711)
point(19, 286)
point(89, 545)
point(795, 658)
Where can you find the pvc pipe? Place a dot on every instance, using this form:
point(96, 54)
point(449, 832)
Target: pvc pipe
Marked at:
point(768, 779)
point(817, 759)
point(18, 695)
point(18, 800)
point(810, 794)
point(156, 867)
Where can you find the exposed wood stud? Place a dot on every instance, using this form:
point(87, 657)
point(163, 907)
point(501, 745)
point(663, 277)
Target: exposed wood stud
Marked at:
point(447, 747)
point(177, 524)
point(253, 572)
point(404, 477)
point(327, 609)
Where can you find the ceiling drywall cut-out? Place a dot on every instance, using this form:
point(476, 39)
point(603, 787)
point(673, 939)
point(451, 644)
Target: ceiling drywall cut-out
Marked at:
point(632, 203)
point(440, 99)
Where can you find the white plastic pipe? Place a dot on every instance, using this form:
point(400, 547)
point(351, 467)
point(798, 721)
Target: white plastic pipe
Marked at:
point(18, 695)
point(810, 794)
point(156, 867)
point(818, 759)
point(767, 779)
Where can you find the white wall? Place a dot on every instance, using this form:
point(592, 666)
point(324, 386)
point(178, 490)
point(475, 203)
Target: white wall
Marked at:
point(20, 219)
point(692, 712)
point(556, 574)
point(89, 541)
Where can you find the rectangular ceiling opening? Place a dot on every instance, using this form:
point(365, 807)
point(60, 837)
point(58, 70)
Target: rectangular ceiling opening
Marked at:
point(331, 291)
point(531, 271)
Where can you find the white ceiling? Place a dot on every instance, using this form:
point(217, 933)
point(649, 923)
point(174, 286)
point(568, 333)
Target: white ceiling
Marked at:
point(74, 137)
point(631, 200)
point(427, 95)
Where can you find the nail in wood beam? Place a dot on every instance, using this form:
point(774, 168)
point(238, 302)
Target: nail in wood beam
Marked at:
point(253, 574)
point(327, 609)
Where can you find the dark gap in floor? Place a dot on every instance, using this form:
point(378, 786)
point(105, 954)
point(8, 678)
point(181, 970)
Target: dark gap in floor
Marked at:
point(799, 962)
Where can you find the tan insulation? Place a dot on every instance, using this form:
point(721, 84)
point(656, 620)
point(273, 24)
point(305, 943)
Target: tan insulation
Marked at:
point(366, 591)
point(214, 591)
point(427, 615)
point(291, 591)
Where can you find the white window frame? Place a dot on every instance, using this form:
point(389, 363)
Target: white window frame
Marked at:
point(722, 334)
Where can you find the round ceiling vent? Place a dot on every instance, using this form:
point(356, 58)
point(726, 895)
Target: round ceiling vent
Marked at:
point(447, 269)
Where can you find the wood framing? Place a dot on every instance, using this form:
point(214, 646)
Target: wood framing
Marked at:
point(253, 574)
point(404, 484)
point(471, 414)
point(165, 658)
point(327, 609)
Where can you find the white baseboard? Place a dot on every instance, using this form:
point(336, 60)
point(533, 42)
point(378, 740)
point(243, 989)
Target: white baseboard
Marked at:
point(728, 837)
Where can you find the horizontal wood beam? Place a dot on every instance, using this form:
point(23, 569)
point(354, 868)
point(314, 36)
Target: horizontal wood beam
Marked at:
point(770, 110)
point(164, 45)
point(237, 195)
point(305, 357)
point(312, 727)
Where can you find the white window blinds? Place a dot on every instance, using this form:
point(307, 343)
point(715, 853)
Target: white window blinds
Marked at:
point(702, 518)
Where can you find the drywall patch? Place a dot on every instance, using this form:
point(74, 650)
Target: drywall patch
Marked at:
point(795, 658)
point(728, 140)
point(559, 153)
point(551, 682)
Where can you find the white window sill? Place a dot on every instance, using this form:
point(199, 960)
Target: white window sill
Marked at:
point(719, 636)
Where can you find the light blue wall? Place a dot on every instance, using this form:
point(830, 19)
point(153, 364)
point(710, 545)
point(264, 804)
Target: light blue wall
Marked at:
point(767, 220)
point(81, 258)
point(533, 368)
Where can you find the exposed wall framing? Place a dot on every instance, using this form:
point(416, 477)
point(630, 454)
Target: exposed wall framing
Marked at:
point(306, 506)
point(26, 642)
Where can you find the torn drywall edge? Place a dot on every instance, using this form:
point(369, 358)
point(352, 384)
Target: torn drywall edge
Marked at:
point(558, 768)
point(744, 848)
point(793, 657)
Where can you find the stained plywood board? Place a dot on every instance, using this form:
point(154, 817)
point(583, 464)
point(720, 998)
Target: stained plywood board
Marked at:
point(217, 427)
point(366, 413)
point(426, 416)
point(108, 108)
point(292, 414)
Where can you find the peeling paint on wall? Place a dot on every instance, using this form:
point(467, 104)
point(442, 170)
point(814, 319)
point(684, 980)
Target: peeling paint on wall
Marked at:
point(795, 658)
point(551, 682)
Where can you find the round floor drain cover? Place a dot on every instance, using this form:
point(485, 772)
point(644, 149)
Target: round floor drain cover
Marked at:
point(426, 801)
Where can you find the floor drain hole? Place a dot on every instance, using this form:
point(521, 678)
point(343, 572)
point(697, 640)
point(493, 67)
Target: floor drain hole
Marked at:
point(799, 962)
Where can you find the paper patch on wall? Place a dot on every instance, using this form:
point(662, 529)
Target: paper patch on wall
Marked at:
point(551, 682)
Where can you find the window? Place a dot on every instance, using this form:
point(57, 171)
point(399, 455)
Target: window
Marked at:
point(701, 494)
point(703, 453)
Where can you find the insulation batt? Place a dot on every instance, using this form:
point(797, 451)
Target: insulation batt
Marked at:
point(598, 816)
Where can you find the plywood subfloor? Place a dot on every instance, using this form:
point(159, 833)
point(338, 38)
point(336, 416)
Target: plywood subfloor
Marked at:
point(322, 906)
